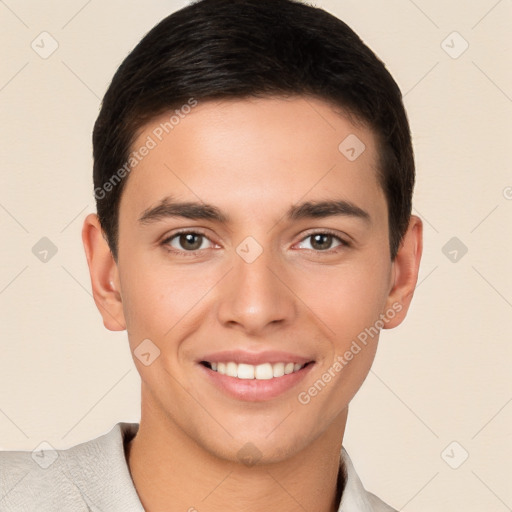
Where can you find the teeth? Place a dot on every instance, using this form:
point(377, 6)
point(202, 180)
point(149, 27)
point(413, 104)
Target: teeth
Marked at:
point(278, 369)
point(263, 371)
point(245, 371)
point(231, 369)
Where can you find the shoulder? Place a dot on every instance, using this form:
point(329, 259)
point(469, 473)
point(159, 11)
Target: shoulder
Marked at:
point(75, 479)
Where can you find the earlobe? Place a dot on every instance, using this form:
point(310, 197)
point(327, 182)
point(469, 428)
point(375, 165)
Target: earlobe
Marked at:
point(104, 274)
point(405, 271)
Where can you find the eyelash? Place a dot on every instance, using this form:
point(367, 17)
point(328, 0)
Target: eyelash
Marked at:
point(165, 243)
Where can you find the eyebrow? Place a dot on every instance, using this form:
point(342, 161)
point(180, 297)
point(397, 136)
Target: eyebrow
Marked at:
point(168, 207)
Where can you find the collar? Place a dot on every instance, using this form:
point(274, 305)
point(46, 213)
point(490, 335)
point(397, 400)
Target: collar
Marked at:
point(355, 497)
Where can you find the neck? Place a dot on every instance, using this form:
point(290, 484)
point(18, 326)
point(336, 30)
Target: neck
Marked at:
point(170, 469)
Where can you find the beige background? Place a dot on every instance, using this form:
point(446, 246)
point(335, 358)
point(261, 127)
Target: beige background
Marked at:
point(443, 376)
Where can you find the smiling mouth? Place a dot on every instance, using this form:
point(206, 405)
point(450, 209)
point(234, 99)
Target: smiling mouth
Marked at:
point(265, 371)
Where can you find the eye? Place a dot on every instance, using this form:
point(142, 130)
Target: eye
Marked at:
point(186, 241)
point(323, 241)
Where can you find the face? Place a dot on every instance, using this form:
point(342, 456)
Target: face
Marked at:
point(254, 260)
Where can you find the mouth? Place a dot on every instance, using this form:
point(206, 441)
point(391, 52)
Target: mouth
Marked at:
point(255, 377)
point(264, 371)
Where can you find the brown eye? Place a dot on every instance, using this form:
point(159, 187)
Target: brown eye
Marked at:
point(188, 241)
point(323, 242)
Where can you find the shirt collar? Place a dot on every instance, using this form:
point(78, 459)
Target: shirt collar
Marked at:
point(355, 497)
point(99, 470)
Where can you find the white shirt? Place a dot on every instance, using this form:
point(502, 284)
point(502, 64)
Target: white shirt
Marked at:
point(94, 477)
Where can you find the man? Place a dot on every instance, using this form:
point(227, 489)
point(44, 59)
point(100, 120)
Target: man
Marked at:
point(253, 173)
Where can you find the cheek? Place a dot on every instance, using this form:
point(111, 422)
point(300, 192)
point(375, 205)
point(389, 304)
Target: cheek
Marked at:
point(349, 304)
point(348, 299)
point(158, 300)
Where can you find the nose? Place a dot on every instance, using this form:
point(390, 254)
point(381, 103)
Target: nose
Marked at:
point(255, 298)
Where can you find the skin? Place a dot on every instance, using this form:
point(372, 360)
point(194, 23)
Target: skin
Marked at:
point(252, 159)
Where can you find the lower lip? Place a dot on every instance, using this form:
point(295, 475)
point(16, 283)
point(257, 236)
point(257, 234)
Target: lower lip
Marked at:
point(255, 390)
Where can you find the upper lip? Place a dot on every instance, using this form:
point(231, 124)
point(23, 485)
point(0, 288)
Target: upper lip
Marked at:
point(255, 358)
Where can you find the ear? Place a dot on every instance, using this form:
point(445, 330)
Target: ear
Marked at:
point(104, 274)
point(405, 269)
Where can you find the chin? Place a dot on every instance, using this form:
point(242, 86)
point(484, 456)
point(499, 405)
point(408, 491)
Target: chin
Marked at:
point(256, 448)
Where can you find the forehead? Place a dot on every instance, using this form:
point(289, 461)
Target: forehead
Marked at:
point(254, 153)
